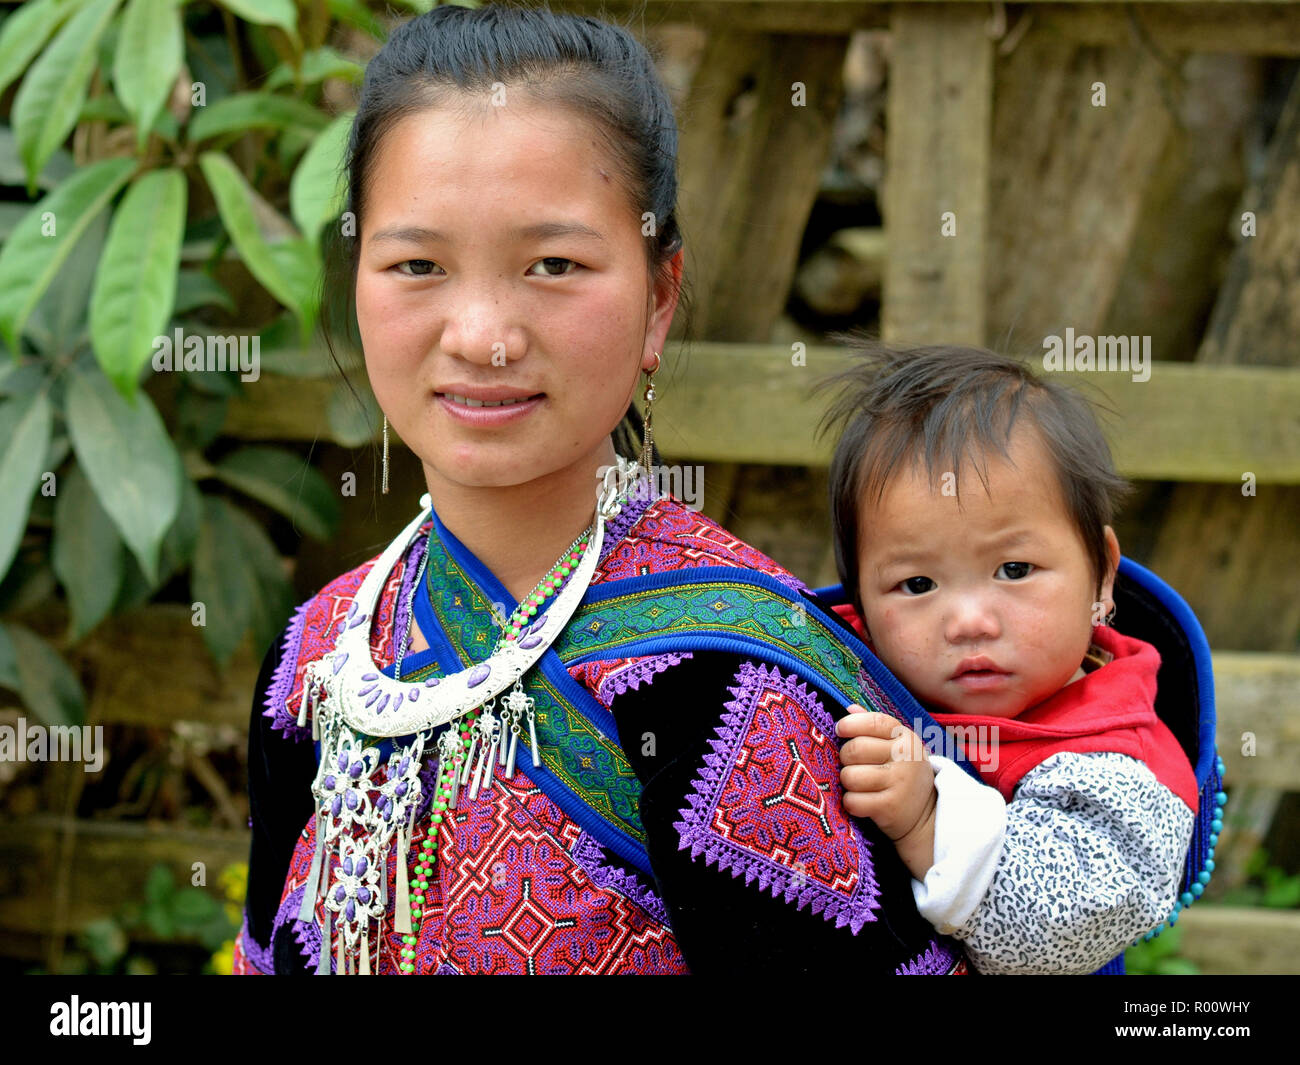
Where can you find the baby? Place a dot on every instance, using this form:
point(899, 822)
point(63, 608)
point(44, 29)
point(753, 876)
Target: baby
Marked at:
point(971, 507)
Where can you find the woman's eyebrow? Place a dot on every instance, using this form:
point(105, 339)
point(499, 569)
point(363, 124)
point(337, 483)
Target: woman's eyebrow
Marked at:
point(536, 231)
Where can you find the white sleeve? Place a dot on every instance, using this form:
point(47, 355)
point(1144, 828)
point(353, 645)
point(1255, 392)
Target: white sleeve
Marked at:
point(969, 823)
point(1091, 859)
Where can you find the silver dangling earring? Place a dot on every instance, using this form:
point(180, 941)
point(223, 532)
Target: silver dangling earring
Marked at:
point(648, 436)
point(384, 488)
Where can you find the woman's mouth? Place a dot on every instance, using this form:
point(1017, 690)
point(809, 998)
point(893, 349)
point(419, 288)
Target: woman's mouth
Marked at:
point(468, 401)
point(488, 410)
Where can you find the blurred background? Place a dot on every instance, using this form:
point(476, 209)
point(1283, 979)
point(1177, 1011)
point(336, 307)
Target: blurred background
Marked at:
point(979, 173)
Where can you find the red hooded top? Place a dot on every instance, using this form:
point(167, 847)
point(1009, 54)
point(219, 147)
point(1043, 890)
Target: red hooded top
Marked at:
point(1110, 709)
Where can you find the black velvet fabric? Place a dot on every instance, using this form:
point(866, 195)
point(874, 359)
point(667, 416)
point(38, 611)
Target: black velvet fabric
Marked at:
point(280, 773)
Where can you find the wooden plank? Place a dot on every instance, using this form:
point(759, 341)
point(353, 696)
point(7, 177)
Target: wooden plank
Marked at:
point(1068, 180)
point(936, 189)
point(1261, 29)
point(1232, 939)
point(756, 16)
point(1185, 422)
point(749, 403)
point(758, 102)
point(110, 865)
point(1258, 697)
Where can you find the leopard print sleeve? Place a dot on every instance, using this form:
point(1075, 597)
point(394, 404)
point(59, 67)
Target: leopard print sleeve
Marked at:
point(1092, 856)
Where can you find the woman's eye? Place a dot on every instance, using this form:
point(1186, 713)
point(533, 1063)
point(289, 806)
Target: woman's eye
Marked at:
point(1016, 570)
point(555, 259)
point(419, 267)
point(916, 585)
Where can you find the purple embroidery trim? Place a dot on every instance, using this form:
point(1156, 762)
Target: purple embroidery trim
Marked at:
point(305, 933)
point(592, 857)
point(281, 686)
point(638, 501)
point(936, 960)
point(402, 622)
point(260, 956)
point(694, 828)
point(634, 673)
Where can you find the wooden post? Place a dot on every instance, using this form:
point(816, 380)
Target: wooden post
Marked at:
point(937, 174)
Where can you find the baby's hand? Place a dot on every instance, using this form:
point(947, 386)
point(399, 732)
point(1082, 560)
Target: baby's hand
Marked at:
point(887, 777)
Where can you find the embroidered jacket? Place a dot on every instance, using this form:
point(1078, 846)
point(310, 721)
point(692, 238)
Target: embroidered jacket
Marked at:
point(684, 814)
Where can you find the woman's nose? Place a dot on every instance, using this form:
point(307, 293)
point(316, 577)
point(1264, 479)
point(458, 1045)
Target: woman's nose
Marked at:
point(480, 332)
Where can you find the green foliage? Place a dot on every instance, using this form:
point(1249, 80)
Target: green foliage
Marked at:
point(1159, 956)
point(234, 158)
point(1266, 885)
point(175, 914)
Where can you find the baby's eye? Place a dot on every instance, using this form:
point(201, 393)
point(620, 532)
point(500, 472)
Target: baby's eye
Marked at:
point(422, 267)
point(916, 585)
point(1016, 570)
point(551, 259)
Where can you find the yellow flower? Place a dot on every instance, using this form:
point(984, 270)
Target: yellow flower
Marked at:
point(223, 961)
point(234, 881)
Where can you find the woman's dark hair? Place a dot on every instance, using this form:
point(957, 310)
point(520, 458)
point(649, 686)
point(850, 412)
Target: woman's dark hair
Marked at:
point(946, 405)
point(594, 68)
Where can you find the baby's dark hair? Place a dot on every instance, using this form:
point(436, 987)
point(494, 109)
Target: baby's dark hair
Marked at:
point(949, 405)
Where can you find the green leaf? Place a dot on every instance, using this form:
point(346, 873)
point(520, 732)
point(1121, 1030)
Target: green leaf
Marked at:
point(30, 258)
point(150, 49)
point(282, 480)
point(318, 190)
point(8, 661)
point(135, 286)
point(317, 65)
point(104, 941)
point(273, 598)
point(195, 289)
point(57, 325)
point(355, 13)
point(12, 171)
point(51, 94)
point(47, 684)
point(236, 206)
point(299, 263)
point(88, 555)
point(280, 13)
point(254, 110)
point(21, 466)
point(25, 33)
point(220, 579)
point(130, 460)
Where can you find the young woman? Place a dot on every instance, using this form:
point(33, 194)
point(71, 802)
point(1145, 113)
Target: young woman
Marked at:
point(563, 724)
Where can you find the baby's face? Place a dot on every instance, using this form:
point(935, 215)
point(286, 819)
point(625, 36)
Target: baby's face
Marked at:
point(987, 608)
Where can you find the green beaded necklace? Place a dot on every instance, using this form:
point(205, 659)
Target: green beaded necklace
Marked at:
point(450, 768)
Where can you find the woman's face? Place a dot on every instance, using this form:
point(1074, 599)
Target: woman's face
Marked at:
point(500, 259)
